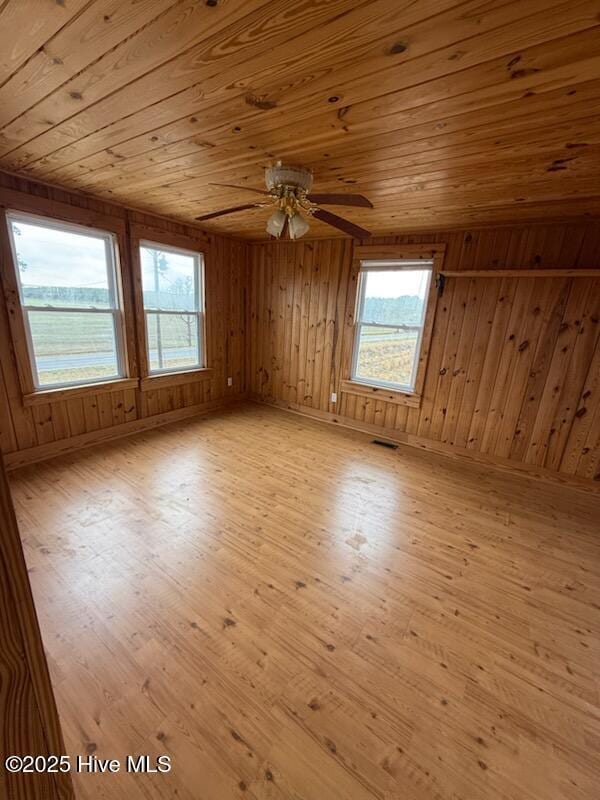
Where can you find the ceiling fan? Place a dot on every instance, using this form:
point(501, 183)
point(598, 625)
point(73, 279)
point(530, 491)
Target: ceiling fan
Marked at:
point(289, 190)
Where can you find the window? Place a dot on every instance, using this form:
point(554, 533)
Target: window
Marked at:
point(390, 318)
point(70, 298)
point(173, 296)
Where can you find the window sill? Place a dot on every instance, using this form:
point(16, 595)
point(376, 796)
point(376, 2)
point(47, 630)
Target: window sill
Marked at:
point(175, 378)
point(381, 393)
point(42, 396)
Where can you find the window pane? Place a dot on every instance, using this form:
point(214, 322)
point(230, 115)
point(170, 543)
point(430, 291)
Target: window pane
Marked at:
point(395, 297)
point(168, 279)
point(73, 346)
point(173, 341)
point(386, 355)
point(59, 267)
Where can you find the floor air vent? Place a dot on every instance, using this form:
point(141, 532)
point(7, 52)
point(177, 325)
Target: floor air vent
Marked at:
point(383, 443)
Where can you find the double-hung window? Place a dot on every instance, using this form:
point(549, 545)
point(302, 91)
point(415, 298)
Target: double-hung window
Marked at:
point(71, 301)
point(173, 297)
point(389, 322)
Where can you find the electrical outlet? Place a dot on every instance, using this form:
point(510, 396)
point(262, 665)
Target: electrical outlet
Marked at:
point(229, 381)
point(333, 397)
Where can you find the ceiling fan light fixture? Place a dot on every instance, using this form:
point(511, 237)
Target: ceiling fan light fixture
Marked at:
point(281, 175)
point(289, 191)
point(298, 226)
point(276, 223)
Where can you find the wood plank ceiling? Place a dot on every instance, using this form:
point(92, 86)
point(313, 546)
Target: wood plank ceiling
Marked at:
point(442, 112)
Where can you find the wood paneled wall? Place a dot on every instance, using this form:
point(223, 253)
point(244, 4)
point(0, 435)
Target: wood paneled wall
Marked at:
point(513, 375)
point(27, 433)
point(514, 370)
point(29, 723)
point(152, 102)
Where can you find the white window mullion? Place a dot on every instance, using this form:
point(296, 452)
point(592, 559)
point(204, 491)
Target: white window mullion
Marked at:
point(30, 350)
point(118, 333)
point(70, 309)
point(202, 337)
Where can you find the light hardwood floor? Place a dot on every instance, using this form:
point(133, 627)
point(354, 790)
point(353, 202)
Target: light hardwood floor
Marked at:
point(290, 611)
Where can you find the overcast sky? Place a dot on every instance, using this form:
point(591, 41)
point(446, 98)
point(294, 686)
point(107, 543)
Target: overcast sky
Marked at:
point(179, 266)
point(65, 258)
point(395, 284)
point(60, 258)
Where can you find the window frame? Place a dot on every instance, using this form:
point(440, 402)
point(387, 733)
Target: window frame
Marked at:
point(389, 252)
point(200, 313)
point(391, 265)
point(32, 387)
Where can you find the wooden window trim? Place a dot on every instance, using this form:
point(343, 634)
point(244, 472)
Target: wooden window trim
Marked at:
point(381, 393)
point(42, 396)
point(43, 208)
point(162, 380)
point(372, 252)
point(145, 233)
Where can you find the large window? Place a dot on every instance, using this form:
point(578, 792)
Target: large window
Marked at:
point(390, 318)
point(173, 294)
point(70, 299)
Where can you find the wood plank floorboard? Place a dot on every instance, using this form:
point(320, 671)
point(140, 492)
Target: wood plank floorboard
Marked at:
point(289, 611)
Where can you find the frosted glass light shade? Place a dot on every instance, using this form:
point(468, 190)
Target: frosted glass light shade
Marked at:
point(275, 223)
point(298, 226)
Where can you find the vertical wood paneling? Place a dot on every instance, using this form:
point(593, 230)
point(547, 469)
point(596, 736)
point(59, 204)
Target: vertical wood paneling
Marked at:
point(29, 722)
point(514, 363)
point(226, 279)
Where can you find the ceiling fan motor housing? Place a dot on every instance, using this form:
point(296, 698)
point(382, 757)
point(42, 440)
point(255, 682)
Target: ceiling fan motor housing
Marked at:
point(292, 177)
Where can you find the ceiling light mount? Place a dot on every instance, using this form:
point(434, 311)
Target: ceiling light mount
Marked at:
point(296, 179)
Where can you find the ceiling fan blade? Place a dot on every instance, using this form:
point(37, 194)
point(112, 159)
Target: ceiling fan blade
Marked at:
point(340, 200)
point(341, 224)
point(231, 210)
point(245, 188)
